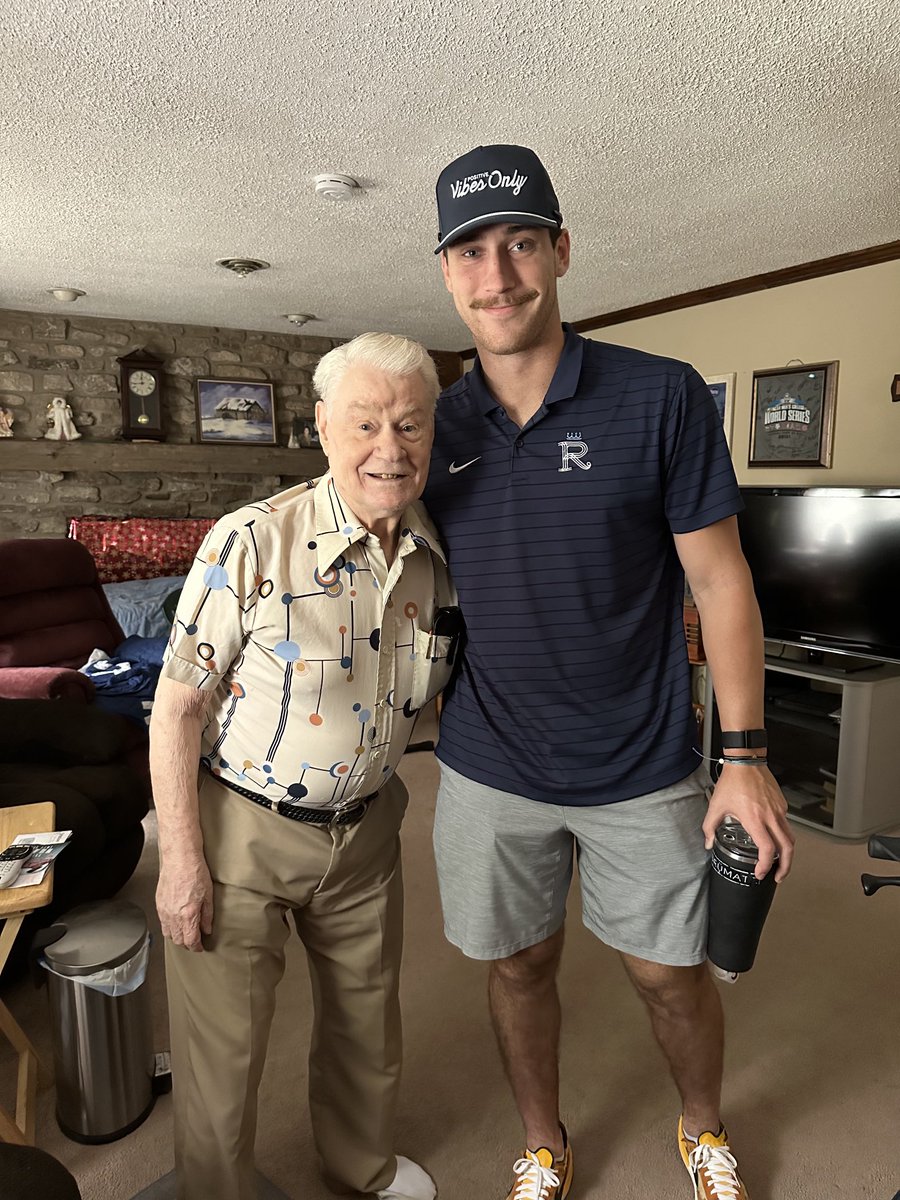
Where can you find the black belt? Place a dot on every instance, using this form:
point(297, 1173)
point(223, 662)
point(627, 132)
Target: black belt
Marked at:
point(311, 816)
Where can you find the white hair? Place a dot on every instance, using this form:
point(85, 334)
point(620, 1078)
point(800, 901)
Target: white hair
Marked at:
point(387, 352)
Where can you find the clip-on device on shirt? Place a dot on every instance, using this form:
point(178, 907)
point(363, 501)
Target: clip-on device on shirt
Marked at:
point(448, 622)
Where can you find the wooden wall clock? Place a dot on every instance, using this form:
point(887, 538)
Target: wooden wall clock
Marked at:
point(141, 396)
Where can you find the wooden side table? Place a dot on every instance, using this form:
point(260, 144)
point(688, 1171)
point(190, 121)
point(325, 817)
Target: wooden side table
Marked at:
point(15, 905)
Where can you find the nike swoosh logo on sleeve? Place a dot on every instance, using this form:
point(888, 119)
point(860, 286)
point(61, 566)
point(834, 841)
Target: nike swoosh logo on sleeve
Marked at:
point(454, 469)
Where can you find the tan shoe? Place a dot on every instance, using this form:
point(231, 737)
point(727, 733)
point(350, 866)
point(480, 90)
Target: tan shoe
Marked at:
point(711, 1166)
point(540, 1176)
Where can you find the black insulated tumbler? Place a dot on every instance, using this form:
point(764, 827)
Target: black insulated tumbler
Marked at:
point(738, 902)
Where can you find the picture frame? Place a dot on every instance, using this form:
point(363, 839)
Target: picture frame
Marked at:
point(236, 412)
point(792, 415)
point(304, 434)
point(722, 389)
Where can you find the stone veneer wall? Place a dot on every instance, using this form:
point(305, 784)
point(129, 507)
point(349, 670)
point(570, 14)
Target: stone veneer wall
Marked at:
point(43, 355)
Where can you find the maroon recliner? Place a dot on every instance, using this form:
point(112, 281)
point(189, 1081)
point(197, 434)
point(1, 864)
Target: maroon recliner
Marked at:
point(53, 613)
point(55, 744)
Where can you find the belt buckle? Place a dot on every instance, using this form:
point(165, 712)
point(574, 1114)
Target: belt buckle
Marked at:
point(340, 813)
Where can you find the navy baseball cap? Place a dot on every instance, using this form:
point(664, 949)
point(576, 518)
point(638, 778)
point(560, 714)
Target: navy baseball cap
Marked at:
point(492, 185)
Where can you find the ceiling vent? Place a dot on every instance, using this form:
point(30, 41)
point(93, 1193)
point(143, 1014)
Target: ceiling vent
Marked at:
point(243, 266)
point(336, 187)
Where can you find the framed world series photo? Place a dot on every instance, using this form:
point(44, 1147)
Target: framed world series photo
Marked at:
point(792, 416)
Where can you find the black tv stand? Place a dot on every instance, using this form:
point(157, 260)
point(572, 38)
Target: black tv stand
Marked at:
point(827, 662)
point(841, 664)
point(832, 740)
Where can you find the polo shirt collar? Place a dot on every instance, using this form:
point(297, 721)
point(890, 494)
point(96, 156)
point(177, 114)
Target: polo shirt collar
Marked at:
point(563, 385)
point(338, 527)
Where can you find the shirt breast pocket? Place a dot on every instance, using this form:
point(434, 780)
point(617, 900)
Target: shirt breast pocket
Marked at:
point(432, 666)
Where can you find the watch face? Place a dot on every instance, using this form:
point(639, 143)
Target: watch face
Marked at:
point(142, 383)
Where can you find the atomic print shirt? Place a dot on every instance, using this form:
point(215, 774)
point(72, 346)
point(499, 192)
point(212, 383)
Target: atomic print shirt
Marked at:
point(316, 651)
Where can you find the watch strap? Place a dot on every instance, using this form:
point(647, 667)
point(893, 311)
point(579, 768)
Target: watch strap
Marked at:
point(744, 739)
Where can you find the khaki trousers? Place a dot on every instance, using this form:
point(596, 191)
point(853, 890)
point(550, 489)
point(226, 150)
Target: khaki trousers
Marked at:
point(344, 887)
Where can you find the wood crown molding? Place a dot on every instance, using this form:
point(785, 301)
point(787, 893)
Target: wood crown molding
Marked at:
point(851, 261)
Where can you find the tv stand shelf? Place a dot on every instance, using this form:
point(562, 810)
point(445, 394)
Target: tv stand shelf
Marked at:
point(833, 742)
point(833, 668)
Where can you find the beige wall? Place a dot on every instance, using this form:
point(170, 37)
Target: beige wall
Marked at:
point(853, 317)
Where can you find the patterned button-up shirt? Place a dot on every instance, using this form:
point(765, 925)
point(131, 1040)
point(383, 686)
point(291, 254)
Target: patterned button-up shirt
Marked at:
point(315, 650)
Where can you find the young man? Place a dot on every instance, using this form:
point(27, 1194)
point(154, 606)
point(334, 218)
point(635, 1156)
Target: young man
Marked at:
point(574, 484)
point(289, 680)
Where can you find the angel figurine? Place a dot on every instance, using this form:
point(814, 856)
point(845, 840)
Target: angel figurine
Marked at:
point(6, 423)
point(59, 417)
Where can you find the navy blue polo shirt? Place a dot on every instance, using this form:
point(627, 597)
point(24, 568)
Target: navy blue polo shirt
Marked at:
point(575, 687)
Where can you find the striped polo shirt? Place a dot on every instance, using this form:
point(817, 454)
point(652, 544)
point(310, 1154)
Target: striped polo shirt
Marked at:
point(575, 687)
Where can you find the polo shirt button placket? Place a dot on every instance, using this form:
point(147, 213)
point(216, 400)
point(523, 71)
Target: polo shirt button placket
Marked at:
point(517, 466)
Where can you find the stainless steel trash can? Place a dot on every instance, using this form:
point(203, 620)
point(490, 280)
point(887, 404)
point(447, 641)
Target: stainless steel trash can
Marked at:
point(100, 1019)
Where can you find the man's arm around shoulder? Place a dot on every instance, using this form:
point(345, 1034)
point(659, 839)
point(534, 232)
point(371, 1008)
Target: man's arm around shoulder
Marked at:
point(184, 895)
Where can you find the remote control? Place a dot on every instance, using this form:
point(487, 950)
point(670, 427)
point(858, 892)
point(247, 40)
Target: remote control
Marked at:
point(11, 862)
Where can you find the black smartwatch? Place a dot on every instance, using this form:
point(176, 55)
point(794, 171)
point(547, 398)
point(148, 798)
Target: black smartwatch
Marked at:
point(744, 739)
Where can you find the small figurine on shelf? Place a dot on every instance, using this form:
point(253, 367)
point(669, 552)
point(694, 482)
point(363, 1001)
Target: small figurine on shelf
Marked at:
point(6, 422)
point(59, 418)
point(294, 439)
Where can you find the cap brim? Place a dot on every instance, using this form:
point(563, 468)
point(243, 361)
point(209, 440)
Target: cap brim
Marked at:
point(498, 218)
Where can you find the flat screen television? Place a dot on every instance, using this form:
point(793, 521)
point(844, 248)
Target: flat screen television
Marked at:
point(826, 566)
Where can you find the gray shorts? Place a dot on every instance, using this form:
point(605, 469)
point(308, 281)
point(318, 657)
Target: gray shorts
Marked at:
point(505, 866)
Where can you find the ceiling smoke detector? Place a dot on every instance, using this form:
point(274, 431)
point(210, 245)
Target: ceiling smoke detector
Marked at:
point(336, 187)
point(299, 318)
point(242, 266)
point(65, 295)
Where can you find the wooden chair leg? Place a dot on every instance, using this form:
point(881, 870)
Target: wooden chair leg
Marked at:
point(9, 1130)
point(20, 1130)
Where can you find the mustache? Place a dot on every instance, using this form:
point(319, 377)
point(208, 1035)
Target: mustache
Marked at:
point(505, 301)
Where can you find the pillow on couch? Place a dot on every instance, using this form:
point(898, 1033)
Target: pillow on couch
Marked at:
point(141, 547)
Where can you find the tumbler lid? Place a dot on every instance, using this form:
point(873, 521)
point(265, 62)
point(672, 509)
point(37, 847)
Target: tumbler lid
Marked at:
point(733, 840)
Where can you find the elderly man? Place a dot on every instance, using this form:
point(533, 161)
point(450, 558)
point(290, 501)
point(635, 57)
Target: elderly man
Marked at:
point(301, 651)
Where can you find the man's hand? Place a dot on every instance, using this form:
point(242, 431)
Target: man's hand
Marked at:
point(184, 901)
point(751, 795)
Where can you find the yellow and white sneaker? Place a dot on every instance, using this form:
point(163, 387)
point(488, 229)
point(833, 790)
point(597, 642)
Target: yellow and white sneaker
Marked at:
point(711, 1166)
point(540, 1176)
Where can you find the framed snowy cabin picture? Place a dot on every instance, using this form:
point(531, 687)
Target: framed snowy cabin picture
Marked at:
point(235, 412)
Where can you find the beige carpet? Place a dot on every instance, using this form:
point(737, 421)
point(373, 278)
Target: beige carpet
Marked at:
point(164, 1189)
point(813, 1073)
